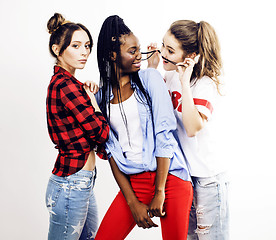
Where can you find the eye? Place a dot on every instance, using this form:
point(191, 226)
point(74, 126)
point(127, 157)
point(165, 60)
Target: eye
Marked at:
point(87, 46)
point(132, 52)
point(170, 51)
point(75, 46)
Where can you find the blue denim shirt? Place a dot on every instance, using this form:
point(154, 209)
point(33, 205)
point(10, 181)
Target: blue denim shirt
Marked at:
point(158, 136)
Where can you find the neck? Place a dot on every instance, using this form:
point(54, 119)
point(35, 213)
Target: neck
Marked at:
point(124, 81)
point(68, 68)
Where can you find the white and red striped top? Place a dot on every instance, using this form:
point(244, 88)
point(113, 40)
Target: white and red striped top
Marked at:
point(200, 150)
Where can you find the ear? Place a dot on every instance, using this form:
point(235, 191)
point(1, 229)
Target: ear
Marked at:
point(55, 49)
point(113, 56)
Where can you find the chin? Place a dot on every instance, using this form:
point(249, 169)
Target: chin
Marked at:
point(168, 68)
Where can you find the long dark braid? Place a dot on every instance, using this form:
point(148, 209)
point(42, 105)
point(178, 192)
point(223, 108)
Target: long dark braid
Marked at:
point(109, 41)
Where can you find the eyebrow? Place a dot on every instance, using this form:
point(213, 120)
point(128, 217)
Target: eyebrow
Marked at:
point(134, 47)
point(79, 42)
point(168, 46)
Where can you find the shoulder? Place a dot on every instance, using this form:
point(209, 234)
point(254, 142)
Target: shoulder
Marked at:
point(150, 76)
point(205, 81)
point(59, 79)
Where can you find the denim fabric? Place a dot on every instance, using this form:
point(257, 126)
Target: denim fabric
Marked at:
point(158, 128)
point(72, 206)
point(209, 217)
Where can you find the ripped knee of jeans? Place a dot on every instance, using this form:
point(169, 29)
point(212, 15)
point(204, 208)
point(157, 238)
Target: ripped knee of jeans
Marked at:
point(203, 229)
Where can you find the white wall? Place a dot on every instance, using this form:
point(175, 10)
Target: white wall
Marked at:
point(246, 31)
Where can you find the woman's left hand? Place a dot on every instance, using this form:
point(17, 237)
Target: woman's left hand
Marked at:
point(156, 205)
point(185, 69)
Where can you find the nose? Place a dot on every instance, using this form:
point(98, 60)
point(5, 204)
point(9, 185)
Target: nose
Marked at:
point(85, 51)
point(139, 56)
point(163, 52)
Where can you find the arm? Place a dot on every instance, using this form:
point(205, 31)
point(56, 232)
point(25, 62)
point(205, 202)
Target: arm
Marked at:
point(89, 117)
point(138, 209)
point(91, 93)
point(156, 205)
point(193, 120)
point(164, 125)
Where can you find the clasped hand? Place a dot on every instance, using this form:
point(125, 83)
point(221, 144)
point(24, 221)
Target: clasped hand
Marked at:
point(142, 213)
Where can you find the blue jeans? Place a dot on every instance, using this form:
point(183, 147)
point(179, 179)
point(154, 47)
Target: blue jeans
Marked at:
point(209, 217)
point(72, 206)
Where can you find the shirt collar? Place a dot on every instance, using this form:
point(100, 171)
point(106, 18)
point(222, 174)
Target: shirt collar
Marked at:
point(58, 69)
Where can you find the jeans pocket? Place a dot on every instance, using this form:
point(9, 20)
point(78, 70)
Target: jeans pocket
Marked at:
point(207, 182)
point(53, 192)
point(83, 183)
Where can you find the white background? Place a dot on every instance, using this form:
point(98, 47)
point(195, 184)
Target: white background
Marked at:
point(246, 30)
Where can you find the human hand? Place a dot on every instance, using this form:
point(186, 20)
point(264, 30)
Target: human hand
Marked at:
point(92, 97)
point(93, 87)
point(156, 205)
point(140, 214)
point(154, 60)
point(185, 69)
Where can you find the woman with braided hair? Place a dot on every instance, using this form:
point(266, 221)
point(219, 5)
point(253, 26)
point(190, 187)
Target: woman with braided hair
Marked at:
point(144, 156)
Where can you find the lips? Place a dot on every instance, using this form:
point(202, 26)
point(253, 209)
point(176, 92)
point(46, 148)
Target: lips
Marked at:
point(83, 60)
point(137, 64)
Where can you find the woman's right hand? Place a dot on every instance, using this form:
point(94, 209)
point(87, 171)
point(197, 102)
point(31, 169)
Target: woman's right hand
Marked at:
point(93, 87)
point(92, 97)
point(140, 214)
point(154, 60)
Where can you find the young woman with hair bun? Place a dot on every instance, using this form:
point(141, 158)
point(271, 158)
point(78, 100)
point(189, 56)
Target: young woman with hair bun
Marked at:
point(78, 129)
point(192, 61)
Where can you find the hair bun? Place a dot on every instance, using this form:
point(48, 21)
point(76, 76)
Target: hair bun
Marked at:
point(55, 22)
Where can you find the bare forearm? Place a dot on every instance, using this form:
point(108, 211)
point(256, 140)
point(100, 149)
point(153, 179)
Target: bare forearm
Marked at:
point(123, 183)
point(192, 120)
point(163, 165)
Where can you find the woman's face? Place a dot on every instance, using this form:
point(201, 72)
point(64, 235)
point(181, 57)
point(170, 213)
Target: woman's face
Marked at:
point(76, 54)
point(171, 49)
point(130, 54)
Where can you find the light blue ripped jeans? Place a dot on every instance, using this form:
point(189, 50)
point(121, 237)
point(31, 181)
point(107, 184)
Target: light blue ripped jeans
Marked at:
point(72, 206)
point(209, 217)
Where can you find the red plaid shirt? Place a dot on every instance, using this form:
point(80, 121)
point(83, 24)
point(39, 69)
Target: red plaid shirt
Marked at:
point(74, 126)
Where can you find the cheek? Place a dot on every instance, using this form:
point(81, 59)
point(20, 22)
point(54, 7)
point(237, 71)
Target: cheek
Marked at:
point(68, 56)
point(127, 60)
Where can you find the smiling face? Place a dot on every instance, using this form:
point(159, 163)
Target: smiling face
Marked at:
point(130, 54)
point(76, 54)
point(171, 49)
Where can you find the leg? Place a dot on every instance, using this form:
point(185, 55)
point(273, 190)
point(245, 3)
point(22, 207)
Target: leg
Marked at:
point(91, 224)
point(67, 201)
point(117, 222)
point(192, 223)
point(211, 208)
point(179, 195)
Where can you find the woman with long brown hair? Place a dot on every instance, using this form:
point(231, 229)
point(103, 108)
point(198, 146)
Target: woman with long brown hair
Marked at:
point(191, 58)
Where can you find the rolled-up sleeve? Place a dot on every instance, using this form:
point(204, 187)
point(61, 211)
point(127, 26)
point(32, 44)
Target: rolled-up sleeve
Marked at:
point(163, 115)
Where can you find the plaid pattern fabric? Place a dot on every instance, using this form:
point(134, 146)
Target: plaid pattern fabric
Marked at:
point(73, 125)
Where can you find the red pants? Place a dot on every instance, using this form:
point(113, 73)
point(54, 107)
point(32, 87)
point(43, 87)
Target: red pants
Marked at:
point(118, 220)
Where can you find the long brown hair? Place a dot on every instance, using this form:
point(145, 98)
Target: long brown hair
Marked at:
point(200, 38)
